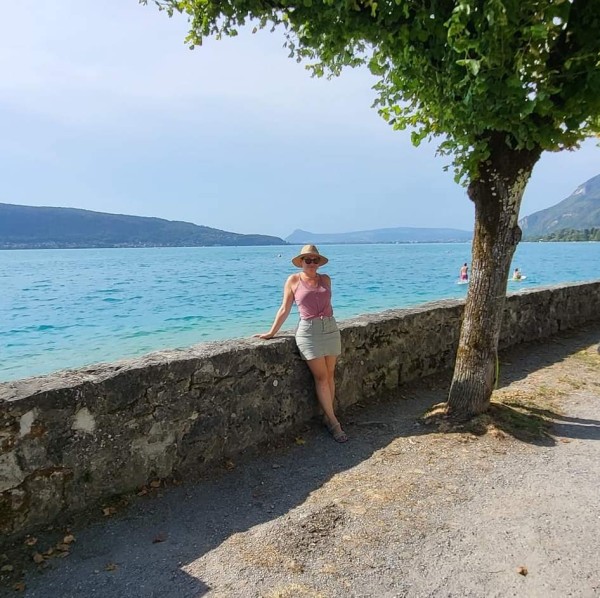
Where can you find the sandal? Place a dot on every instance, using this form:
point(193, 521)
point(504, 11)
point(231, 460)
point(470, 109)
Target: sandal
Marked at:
point(338, 434)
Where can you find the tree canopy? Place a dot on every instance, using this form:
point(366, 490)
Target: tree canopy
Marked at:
point(457, 69)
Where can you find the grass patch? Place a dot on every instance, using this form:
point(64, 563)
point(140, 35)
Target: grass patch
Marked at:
point(512, 419)
point(293, 590)
point(589, 358)
point(576, 384)
point(542, 394)
point(542, 397)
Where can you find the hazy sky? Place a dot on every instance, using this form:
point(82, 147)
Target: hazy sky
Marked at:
point(103, 107)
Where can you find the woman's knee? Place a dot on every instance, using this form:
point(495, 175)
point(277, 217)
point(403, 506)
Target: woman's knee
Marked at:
point(321, 377)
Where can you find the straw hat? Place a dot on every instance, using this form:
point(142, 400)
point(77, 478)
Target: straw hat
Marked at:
point(306, 251)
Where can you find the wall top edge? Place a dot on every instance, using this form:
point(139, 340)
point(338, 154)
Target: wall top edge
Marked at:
point(71, 378)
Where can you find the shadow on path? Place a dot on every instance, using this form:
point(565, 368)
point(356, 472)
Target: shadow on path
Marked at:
point(142, 551)
point(539, 426)
point(518, 362)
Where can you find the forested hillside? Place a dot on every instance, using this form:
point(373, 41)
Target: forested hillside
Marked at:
point(27, 227)
point(579, 211)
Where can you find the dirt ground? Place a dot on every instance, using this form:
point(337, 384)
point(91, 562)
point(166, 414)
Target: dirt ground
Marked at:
point(508, 507)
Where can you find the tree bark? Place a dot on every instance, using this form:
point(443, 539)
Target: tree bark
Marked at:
point(497, 195)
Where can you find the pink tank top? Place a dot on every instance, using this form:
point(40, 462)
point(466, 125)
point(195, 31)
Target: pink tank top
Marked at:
point(313, 302)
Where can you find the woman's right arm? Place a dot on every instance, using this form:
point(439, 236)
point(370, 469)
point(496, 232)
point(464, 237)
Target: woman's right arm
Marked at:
point(283, 312)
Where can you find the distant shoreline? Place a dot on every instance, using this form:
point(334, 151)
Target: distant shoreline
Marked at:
point(33, 247)
point(287, 244)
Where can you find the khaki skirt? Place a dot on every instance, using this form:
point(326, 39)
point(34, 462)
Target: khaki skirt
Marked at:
point(318, 337)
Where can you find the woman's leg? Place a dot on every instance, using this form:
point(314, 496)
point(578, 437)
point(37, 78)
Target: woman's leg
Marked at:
point(320, 373)
point(330, 362)
point(323, 371)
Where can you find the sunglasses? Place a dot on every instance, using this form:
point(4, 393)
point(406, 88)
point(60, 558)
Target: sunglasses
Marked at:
point(311, 260)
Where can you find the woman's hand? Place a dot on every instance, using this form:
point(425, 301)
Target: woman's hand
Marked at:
point(266, 336)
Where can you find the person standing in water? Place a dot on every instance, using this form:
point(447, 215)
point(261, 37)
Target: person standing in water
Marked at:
point(317, 336)
point(517, 274)
point(464, 272)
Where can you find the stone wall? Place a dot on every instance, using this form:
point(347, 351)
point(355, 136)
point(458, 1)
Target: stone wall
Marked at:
point(74, 438)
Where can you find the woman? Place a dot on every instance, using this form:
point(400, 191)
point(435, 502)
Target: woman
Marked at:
point(317, 335)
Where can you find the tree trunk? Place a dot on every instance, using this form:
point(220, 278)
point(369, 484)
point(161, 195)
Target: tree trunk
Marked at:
point(497, 195)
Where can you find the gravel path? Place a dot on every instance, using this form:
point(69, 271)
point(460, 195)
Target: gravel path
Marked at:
point(401, 510)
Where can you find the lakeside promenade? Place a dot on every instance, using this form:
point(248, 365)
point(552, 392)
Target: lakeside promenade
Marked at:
point(401, 510)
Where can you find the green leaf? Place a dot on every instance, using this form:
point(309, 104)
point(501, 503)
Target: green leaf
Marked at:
point(472, 65)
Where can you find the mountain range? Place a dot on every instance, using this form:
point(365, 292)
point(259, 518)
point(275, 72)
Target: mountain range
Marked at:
point(27, 227)
point(579, 211)
point(383, 235)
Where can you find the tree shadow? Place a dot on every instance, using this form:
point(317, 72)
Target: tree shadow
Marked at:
point(516, 420)
point(519, 420)
point(517, 362)
point(539, 426)
point(561, 417)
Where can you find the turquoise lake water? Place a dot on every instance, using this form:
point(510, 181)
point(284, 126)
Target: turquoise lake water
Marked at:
point(73, 307)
